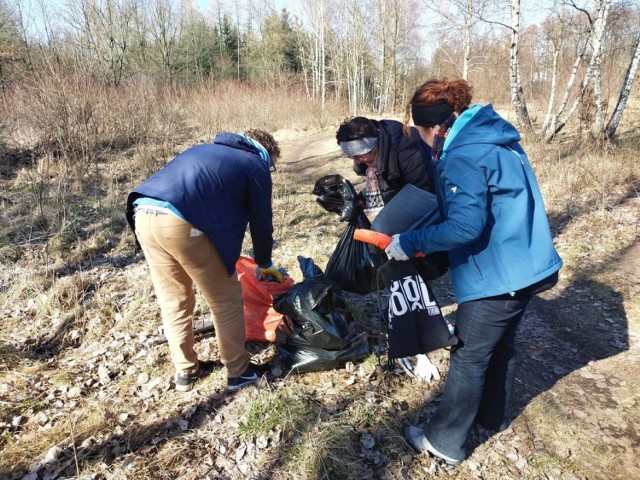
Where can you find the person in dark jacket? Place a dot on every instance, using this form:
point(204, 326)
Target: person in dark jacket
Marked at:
point(390, 159)
point(387, 157)
point(501, 253)
point(190, 219)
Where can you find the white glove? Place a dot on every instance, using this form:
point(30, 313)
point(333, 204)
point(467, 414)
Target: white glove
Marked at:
point(422, 370)
point(394, 250)
point(425, 370)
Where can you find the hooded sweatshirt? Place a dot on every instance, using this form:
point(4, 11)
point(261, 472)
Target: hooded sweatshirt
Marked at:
point(219, 188)
point(495, 228)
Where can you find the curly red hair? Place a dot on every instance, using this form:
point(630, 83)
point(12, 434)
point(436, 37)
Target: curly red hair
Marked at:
point(456, 93)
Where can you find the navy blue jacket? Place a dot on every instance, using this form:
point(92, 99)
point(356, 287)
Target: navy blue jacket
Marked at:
point(495, 228)
point(219, 188)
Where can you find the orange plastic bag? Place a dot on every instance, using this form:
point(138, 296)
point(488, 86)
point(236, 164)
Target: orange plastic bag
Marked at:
point(262, 322)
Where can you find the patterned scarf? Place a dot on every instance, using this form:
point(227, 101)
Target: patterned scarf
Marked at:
point(373, 196)
point(442, 131)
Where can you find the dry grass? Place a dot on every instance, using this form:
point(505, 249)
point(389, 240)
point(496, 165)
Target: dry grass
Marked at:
point(73, 299)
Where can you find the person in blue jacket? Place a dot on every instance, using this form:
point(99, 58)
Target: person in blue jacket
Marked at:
point(501, 253)
point(190, 219)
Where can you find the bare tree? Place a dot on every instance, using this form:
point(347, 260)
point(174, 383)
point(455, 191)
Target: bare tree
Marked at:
point(315, 53)
point(517, 94)
point(165, 29)
point(106, 27)
point(463, 16)
point(554, 33)
point(623, 97)
point(349, 53)
point(595, 39)
point(394, 38)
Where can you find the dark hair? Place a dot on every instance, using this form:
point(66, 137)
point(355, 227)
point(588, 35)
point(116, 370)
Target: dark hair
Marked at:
point(457, 94)
point(267, 141)
point(355, 128)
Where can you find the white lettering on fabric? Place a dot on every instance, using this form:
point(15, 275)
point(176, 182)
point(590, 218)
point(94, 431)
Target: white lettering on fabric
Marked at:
point(410, 294)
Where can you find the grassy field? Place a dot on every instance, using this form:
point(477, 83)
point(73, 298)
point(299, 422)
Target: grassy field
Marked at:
point(85, 385)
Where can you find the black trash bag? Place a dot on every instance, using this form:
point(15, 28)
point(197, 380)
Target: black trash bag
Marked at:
point(336, 195)
point(354, 264)
point(309, 267)
point(324, 333)
point(412, 209)
point(416, 324)
point(311, 359)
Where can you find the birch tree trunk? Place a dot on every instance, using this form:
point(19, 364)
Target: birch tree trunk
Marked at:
point(517, 94)
point(323, 57)
point(463, 17)
point(354, 60)
point(305, 62)
point(555, 45)
point(317, 19)
point(597, 36)
point(468, 31)
point(613, 123)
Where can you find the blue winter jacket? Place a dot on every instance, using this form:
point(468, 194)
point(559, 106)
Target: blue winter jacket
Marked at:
point(218, 188)
point(495, 228)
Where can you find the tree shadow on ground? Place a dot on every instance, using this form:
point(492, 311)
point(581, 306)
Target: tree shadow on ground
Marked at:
point(552, 345)
point(557, 337)
point(53, 343)
point(133, 438)
point(306, 169)
point(561, 333)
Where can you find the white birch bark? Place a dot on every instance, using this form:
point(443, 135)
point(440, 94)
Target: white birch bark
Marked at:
point(623, 97)
point(555, 46)
point(517, 94)
point(597, 36)
point(468, 32)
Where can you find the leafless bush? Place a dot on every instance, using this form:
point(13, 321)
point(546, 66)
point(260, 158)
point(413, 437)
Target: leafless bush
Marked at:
point(77, 118)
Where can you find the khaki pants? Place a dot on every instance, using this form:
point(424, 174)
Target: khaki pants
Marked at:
point(179, 256)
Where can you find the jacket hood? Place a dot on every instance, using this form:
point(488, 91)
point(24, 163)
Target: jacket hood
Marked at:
point(235, 140)
point(480, 125)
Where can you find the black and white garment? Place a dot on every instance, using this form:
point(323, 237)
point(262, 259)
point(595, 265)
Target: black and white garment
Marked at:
point(415, 323)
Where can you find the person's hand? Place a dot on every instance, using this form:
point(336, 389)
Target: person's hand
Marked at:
point(422, 369)
point(271, 273)
point(394, 250)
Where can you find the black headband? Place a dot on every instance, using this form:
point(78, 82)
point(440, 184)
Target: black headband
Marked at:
point(430, 115)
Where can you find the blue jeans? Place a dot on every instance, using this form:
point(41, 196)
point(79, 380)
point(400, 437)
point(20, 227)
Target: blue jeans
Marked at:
point(481, 372)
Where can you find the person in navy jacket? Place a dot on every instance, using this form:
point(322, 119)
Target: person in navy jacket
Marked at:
point(501, 253)
point(190, 219)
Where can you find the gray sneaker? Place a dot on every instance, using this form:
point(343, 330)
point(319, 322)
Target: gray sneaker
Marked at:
point(417, 439)
point(251, 375)
point(185, 381)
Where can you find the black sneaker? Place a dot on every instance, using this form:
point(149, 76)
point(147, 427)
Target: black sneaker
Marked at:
point(251, 375)
point(185, 381)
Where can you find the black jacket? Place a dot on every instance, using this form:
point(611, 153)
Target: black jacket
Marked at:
point(401, 160)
